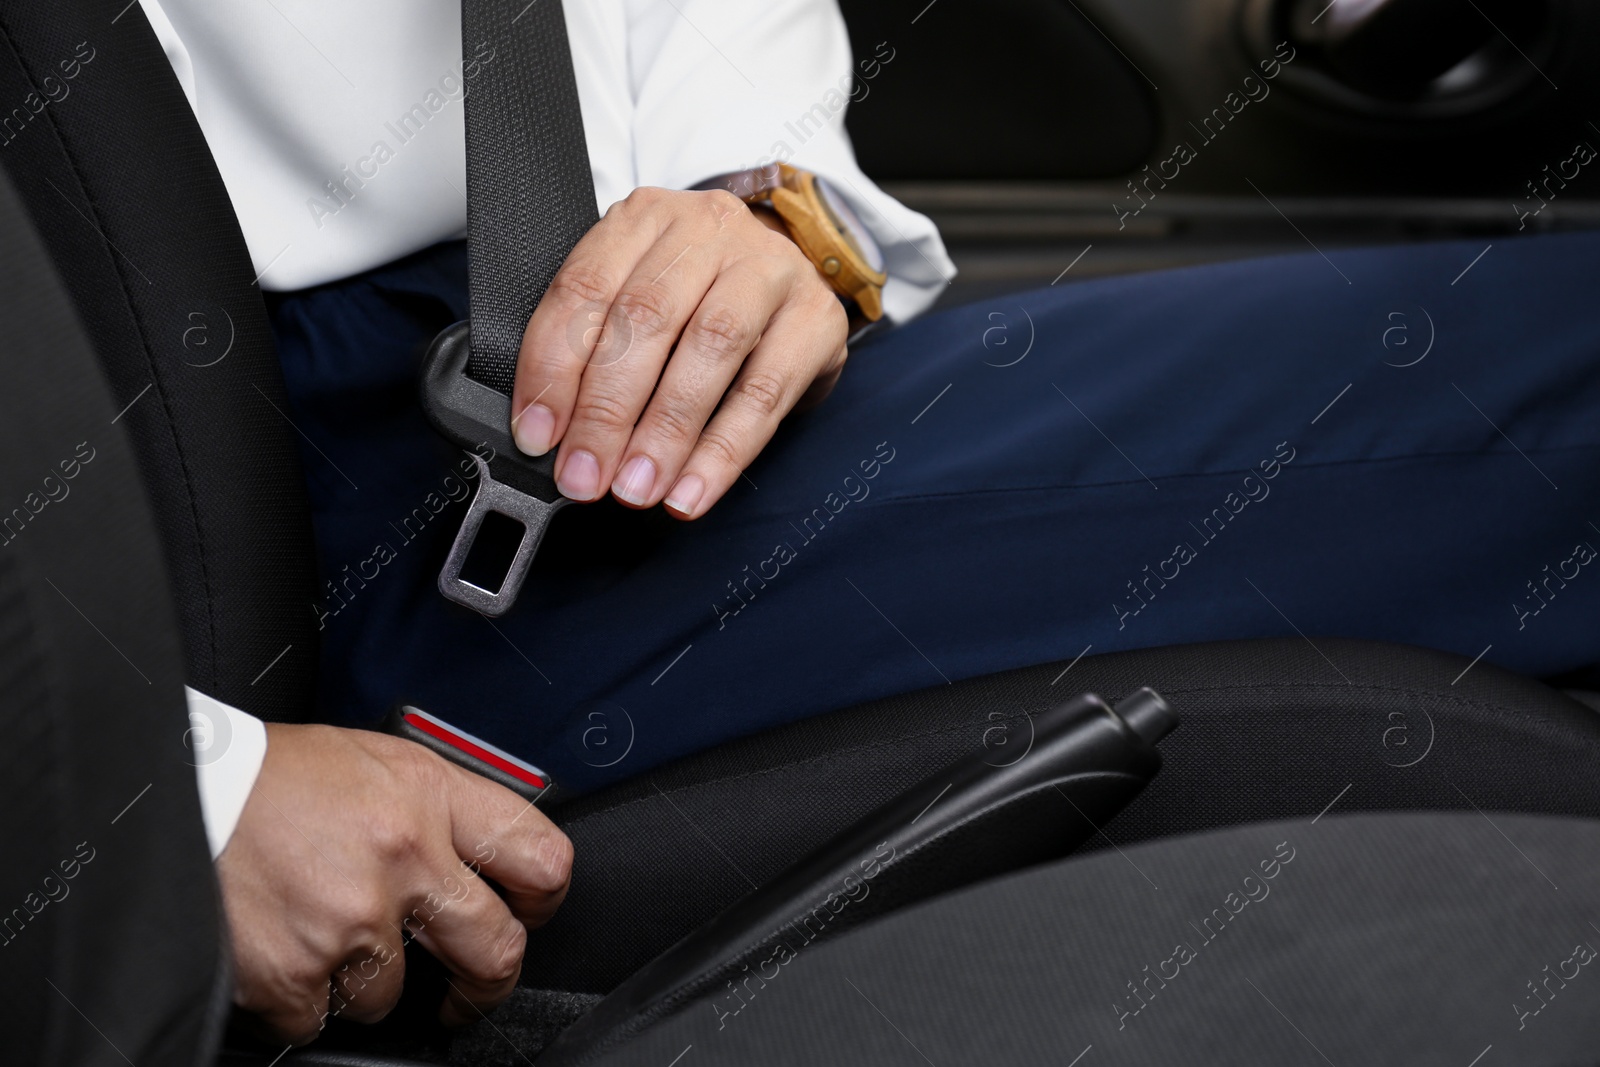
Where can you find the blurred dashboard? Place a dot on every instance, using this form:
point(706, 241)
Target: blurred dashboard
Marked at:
point(1117, 135)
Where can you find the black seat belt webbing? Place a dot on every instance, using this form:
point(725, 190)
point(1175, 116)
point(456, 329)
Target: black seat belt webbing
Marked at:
point(530, 197)
point(530, 193)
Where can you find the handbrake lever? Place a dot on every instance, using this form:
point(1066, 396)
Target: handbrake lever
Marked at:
point(970, 822)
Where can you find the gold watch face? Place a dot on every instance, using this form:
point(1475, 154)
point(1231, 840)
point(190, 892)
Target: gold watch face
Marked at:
point(849, 225)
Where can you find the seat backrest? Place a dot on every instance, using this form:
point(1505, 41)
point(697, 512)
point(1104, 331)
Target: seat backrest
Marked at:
point(110, 920)
point(112, 167)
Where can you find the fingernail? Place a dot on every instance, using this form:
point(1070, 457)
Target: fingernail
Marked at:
point(580, 477)
point(534, 430)
point(635, 480)
point(685, 495)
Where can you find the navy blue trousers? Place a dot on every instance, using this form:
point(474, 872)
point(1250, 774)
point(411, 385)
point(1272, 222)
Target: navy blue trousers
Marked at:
point(1376, 447)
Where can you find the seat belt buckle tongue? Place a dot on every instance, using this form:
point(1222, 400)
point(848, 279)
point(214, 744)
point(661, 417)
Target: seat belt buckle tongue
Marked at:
point(519, 487)
point(469, 752)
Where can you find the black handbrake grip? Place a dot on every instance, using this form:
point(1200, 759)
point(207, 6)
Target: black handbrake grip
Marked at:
point(972, 821)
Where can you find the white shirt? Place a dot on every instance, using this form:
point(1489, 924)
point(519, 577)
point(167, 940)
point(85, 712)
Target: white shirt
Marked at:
point(337, 124)
point(337, 127)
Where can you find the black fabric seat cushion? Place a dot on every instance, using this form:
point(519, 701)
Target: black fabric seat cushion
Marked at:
point(1380, 939)
point(1271, 730)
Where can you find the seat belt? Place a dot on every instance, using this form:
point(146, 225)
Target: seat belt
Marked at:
point(530, 197)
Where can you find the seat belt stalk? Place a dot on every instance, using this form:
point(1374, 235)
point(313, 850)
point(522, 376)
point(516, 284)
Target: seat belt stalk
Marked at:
point(473, 753)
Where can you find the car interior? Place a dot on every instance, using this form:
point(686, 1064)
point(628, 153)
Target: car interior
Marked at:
point(1008, 869)
point(1400, 121)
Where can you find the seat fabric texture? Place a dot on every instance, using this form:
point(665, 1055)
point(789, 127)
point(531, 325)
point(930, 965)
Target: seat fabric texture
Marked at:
point(1415, 939)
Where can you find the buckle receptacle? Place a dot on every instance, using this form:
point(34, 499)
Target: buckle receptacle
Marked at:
point(520, 487)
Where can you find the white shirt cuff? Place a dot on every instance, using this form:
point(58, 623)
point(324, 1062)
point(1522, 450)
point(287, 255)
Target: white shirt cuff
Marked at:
point(229, 747)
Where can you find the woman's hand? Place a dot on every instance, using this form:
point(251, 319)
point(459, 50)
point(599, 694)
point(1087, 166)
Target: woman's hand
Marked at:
point(676, 336)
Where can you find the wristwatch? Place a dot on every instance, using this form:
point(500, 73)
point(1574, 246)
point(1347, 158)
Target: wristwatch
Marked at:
point(822, 224)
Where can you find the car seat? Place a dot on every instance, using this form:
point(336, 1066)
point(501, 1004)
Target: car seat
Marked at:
point(1430, 921)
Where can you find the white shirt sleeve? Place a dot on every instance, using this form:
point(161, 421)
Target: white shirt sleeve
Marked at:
point(724, 85)
point(229, 747)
